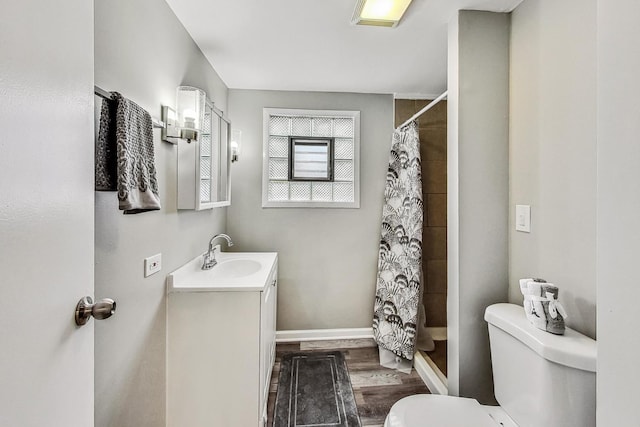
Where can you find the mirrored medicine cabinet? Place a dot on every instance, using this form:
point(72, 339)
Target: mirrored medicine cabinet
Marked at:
point(204, 164)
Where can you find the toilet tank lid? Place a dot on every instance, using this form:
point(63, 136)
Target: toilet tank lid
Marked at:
point(571, 349)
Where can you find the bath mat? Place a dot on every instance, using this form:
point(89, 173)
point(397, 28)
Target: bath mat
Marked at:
point(314, 389)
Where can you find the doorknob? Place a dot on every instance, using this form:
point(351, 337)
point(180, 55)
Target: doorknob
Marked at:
point(102, 309)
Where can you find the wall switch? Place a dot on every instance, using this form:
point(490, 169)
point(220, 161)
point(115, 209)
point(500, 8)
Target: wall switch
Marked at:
point(152, 265)
point(523, 218)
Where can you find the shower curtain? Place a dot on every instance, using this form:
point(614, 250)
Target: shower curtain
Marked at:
point(398, 289)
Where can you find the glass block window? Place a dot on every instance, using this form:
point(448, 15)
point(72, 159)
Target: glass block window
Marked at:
point(311, 158)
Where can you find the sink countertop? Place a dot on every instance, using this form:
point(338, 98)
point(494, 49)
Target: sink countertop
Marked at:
point(192, 278)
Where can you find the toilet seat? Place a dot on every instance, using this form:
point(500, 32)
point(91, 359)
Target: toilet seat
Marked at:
point(424, 410)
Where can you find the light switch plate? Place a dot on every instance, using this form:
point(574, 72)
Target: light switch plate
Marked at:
point(523, 218)
point(152, 265)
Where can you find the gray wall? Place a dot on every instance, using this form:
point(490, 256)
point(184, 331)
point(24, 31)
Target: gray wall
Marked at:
point(328, 257)
point(142, 51)
point(553, 151)
point(477, 147)
point(618, 206)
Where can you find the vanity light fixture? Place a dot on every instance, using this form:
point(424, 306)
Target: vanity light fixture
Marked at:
point(186, 121)
point(236, 140)
point(379, 13)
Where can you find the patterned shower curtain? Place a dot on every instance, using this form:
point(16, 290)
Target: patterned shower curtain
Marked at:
point(400, 257)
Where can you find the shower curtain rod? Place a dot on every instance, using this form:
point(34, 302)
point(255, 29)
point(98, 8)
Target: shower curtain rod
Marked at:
point(107, 95)
point(425, 109)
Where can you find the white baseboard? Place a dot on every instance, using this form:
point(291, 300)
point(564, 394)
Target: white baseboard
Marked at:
point(323, 334)
point(430, 374)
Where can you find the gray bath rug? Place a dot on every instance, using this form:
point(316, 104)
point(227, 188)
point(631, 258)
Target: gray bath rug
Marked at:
point(314, 389)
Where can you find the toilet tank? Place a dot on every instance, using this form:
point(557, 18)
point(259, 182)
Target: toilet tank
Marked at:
point(541, 379)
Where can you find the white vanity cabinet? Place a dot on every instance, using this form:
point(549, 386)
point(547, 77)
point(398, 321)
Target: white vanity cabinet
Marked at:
point(221, 351)
point(267, 340)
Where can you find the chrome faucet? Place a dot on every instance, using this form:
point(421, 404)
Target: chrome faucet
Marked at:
point(210, 257)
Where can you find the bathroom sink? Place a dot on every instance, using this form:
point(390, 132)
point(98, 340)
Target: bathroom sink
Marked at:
point(235, 268)
point(235, 271)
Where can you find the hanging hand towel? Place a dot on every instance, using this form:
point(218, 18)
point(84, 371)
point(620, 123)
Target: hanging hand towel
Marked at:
point(106, 174)
point(124, 155)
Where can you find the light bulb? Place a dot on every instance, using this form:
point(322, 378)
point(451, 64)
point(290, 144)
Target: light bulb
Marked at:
point(189, 119)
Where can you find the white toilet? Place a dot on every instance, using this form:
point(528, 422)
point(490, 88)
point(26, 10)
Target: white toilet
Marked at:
point(540, 380)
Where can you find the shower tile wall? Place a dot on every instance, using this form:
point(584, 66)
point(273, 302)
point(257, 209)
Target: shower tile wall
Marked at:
point(433, 150)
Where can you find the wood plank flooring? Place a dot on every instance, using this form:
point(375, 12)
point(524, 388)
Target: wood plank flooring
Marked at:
point(375, 388)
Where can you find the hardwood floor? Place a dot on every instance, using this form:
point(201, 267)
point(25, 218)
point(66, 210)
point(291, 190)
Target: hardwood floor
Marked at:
point(375, 388)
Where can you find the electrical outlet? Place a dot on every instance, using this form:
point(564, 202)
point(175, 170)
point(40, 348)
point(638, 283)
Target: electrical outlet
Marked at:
point(152, 265)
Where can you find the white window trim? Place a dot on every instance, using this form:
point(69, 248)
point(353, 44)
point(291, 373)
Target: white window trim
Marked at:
point(266, 114)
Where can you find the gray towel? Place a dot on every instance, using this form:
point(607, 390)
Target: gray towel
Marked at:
point(106, 160)
point(124, 155)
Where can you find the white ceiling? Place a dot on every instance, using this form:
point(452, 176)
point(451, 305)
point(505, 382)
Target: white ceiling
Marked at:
point(311, 45)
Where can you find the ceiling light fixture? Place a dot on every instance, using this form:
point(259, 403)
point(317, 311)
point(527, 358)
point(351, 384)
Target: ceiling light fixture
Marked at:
point(380, 13)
